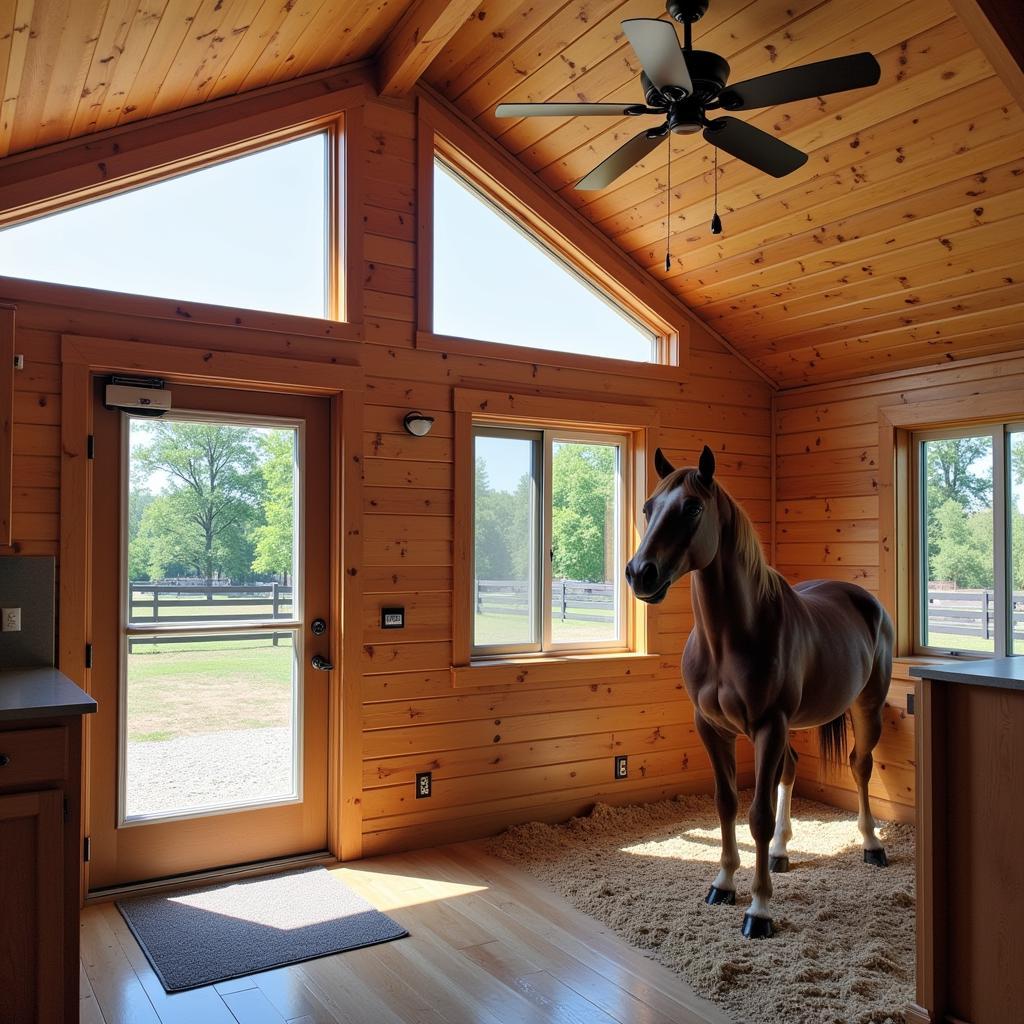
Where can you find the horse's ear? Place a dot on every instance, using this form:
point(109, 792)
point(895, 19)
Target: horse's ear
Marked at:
point(706, 466)
point(662, 465)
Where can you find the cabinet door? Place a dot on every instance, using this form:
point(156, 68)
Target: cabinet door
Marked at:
point(31, 907)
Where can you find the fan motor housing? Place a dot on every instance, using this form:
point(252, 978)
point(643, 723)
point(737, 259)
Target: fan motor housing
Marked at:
point(708, 71)
point(687, 11)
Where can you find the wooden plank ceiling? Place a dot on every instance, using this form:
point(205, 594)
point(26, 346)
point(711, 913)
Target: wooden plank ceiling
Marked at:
point(896, 245)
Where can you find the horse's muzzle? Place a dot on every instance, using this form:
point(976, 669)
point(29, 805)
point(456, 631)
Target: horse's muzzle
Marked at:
point(643, 578)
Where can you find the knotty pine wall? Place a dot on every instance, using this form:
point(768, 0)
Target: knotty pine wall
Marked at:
point(501, 754)
point(827, 524)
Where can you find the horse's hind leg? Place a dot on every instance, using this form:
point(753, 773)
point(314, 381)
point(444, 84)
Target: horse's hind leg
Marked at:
point(778, 855)
point(722, 751)
point(866, 713)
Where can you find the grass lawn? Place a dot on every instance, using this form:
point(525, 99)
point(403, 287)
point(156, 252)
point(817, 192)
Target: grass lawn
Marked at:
point(495, 628)
point(207, 686)
point(950, 642)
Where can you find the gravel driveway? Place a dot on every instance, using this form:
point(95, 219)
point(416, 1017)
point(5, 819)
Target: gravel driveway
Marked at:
point(208, 769)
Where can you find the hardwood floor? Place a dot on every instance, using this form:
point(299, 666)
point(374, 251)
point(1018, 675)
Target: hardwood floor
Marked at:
point(487, 945)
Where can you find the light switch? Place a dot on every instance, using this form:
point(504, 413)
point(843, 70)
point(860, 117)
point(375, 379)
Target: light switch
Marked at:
point(11, 620)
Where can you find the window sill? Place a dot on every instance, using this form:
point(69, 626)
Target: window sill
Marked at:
point(544, 671)
point(451, 345)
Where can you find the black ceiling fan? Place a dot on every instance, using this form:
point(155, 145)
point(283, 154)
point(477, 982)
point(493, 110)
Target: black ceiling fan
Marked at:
point(681, 84)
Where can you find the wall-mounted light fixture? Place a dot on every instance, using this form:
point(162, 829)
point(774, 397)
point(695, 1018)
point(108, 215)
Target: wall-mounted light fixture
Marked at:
point(417, 424)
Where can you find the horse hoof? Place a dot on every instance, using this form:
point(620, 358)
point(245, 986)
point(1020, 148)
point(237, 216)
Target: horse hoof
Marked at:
point(757, 927)
point(778, 865)
point(876, 857)
point(716, 896)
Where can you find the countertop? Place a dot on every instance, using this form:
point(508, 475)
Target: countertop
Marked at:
point(41, 693)
point(1004, 673)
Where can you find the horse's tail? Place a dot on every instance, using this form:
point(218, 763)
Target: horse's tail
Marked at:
point(832, 742)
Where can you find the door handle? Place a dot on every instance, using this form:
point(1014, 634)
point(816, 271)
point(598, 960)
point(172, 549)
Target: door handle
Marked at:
point(321, 664)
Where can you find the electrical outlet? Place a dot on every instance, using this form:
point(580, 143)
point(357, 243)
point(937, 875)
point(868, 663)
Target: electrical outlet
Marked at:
point(19, 362)
point(11, 620)
point(424, 784)
point(622, 767)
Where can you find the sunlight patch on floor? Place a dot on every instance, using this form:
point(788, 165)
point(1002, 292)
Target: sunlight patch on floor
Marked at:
point(704, 844)
point(389, 891)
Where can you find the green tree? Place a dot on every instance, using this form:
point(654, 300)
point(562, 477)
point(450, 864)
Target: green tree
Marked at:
point(213, 493)
point(139, 500)
point(582, 510)
point(274, 537)
point(963, 546)
point(959, 469)
point(500, 541)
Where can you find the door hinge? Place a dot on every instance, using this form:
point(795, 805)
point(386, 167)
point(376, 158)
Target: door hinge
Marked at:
point(88, 655)
point(90, 446)
point(86, 849)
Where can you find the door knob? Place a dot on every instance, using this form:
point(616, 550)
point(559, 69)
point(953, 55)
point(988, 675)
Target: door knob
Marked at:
point(321, 664)
point(318, 626)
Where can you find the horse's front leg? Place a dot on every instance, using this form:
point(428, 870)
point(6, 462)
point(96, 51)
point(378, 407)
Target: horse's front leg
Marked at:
point(770, 739)
point(721, 749)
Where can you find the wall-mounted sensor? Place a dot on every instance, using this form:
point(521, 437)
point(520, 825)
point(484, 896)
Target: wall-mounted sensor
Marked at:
point(417, 424)
point(145, 395)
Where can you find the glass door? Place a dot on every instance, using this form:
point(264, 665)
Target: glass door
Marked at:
point(210, 744)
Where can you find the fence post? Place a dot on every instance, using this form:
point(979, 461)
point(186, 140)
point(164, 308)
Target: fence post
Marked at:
point(275, 604)
point(564, 603)
point(984, 613)
point(156, 602)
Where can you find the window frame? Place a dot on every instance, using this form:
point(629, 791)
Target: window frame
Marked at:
point(657, 342)
point(596, 415)
point(334, 277)
point(542, 541)
point(1002, 544)
point(557, 228)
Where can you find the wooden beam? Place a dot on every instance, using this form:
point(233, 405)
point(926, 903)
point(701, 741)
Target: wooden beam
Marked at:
point(998, 29)
point(417, 39)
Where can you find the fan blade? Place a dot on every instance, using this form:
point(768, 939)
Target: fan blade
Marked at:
point(568, 109)
point(657, 46)
point(826, 76)
point(753, 146)
point(620, 161)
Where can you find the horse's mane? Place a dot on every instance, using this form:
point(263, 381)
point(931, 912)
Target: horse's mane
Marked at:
point(767, 582)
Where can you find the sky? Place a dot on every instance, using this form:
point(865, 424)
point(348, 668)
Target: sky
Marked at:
point(249, 233)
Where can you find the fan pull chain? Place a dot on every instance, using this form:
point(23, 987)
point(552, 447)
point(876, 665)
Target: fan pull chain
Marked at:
point(668, 211)
point(716, 221)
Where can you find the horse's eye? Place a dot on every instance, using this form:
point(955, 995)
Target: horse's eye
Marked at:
point(692, 509)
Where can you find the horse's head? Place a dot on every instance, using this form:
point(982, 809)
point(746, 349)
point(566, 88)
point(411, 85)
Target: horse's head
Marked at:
point(683, 527)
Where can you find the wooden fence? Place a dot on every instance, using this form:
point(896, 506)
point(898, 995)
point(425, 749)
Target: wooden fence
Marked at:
point(570, 599)
point(184, 601)
point(971, 613)
point(152, 602)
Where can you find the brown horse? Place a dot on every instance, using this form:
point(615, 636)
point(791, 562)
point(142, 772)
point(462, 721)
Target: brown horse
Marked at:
point(763, 658)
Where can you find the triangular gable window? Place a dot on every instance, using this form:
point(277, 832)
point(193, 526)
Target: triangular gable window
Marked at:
point(493, 281)
point(250, 233)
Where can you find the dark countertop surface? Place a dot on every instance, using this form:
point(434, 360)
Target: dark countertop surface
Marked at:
point(41, 693)
point(1005, 673)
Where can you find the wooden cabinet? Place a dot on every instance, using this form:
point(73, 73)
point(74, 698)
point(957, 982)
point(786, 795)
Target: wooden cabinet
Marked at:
point(40, 870)
point(31, 904)
point(970, 878)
